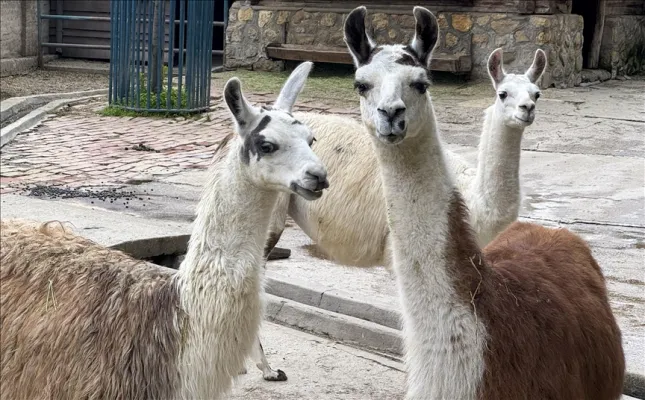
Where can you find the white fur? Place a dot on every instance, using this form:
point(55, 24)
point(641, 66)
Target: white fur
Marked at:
point(349, 223)
point(220, 279)
point(418, 188)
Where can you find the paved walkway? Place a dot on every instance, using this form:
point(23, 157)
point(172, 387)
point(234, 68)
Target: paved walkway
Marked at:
point(81, 148)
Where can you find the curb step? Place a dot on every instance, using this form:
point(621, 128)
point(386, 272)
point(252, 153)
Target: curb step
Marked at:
point(339, 327)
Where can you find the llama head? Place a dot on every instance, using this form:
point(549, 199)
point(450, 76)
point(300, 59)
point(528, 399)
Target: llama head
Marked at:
point(275, 148)
point(392, 80)
point(516, 93)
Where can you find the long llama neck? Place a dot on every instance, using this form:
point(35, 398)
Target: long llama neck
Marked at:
point(220, 280)
point(436, 262)
point(231, 226)
point(497, 182)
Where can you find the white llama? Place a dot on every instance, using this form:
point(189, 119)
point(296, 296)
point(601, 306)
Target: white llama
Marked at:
point(83, 321)
point(349, 224)
point(528, 317)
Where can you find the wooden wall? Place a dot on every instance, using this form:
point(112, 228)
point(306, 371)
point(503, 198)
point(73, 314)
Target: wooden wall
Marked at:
point(625, 7)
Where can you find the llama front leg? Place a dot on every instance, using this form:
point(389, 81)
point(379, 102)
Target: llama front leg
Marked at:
point(268, 373)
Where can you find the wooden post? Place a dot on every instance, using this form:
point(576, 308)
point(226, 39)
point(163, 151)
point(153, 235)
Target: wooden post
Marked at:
point(593, 56)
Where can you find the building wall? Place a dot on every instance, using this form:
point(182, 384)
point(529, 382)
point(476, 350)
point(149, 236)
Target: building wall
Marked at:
point(476, 33)
point(623, 45)
point(19, 28)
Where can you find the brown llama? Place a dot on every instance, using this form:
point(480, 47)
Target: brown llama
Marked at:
point(526, 318)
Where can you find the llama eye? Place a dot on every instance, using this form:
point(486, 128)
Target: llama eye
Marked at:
point(502, 95)
point(312, 142)
point(420, 87)
point(537, 95)
point(267, 147)
point(362, 88)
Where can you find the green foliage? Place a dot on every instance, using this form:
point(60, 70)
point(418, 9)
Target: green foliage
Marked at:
point(157, 100)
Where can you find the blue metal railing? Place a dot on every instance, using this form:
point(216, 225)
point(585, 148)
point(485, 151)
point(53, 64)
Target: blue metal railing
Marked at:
point(138, 48)
point(192, 88)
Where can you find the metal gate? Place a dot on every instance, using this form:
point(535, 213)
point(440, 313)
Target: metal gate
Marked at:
point(142, 56)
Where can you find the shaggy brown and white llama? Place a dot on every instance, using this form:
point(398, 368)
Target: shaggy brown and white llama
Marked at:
point(526, 318)
point(82, 321)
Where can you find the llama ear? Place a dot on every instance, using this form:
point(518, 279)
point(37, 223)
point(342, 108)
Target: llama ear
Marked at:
point(360, 45)
point(293, 86)
point(243, 113)
point(496, 66)
point(426, 34)
point(537, 68)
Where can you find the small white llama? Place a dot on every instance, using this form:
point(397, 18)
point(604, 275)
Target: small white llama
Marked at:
point(526, 318)
point(83, 321)
point(349, 224)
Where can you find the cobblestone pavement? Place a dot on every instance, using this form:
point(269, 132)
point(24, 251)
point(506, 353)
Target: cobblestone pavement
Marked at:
point(81, 148)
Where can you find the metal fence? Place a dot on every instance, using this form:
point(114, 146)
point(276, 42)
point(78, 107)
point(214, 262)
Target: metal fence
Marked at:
point(139, 48)
point(190, 46)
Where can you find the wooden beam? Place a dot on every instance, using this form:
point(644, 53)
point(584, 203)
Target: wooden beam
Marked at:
point(593, 56)
point(340, 55)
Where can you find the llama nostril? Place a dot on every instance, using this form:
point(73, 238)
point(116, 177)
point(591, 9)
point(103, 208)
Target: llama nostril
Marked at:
point(317, 176)
point(399, 111)
point(527, 107)
point(382, 112)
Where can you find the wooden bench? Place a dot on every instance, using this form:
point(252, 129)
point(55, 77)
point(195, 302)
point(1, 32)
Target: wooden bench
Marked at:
point(340, 55)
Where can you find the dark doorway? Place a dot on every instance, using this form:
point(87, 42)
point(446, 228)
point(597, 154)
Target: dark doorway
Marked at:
point(592, 12)
point(219, 33)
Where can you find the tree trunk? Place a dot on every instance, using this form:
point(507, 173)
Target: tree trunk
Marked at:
point(593, 57)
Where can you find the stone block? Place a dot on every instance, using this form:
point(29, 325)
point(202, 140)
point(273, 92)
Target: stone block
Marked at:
point(520, 36)
point(442, 21)
point(283, 16)
point(380, 21)
point(451, 40)
point(328, 20)
point(504, 26)
point(483, 20)
point(245, 14)
point(540, 21)
point(480, 38)
point(462, 22)
point(264, 17)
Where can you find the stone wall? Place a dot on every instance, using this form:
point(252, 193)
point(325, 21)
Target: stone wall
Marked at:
point(623, 45)
point(560, 36)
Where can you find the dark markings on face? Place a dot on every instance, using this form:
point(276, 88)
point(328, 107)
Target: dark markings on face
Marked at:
point(374, 52)
point(253, 140)
point(296, 122)
point(408, 59)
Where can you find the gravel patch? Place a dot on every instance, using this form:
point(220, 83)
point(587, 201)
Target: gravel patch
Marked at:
point(44, 82)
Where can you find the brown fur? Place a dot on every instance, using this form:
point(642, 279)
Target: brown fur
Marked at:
point(543, 300)
point(80, 321)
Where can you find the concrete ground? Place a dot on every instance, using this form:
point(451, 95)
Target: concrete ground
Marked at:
point(582, 168)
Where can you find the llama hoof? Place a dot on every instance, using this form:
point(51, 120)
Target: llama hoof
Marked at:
point(243, 371)
point(276, 376)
